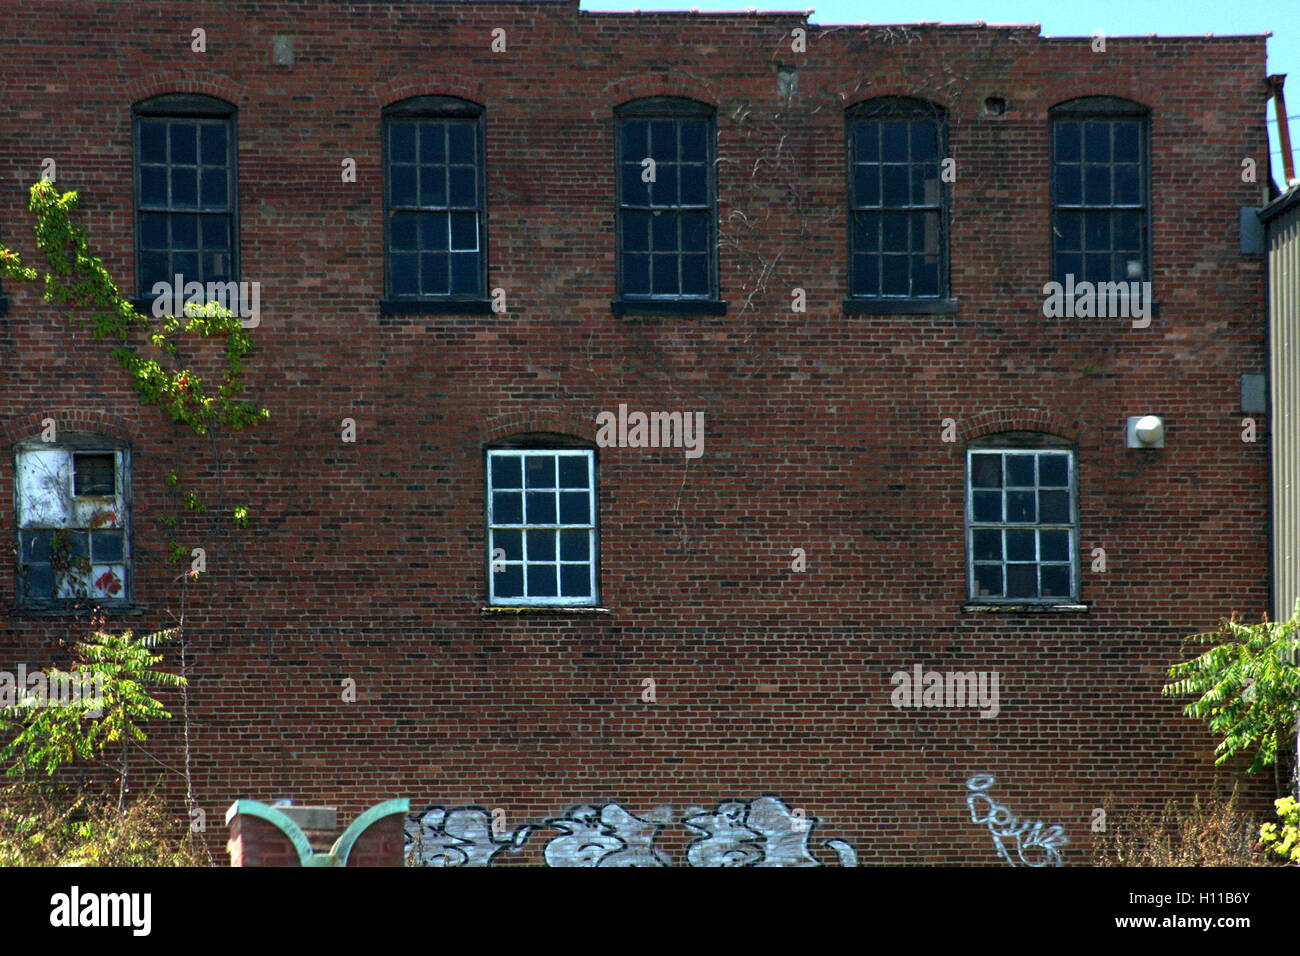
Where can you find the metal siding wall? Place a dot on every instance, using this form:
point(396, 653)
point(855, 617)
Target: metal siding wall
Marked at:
point(1284, 335)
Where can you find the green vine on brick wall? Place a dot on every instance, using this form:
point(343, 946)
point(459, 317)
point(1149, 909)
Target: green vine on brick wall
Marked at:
point(78, 278)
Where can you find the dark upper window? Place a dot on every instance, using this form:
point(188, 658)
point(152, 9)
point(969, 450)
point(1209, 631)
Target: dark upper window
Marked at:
point(1100, 191)
point(434, 194)
point(185, 219)
point(667, 203)
point(897, 200)
point(73, 501)
point(1021, 520)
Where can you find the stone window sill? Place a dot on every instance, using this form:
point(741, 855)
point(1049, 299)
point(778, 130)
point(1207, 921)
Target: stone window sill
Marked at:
point(113, 610)
point(435, 306)
point(668, 307)
point(899, 306)
point(561, 609)
point(1065, 607)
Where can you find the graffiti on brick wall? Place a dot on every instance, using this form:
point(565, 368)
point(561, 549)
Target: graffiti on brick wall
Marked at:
point(759, 832)
point(1034, 844)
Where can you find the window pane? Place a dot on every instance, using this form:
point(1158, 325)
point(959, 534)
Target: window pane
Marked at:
point(153, 185)
point(893, 141)
point(866, 142)
point(694, 184)
point(508, 582)
point(153, 231)
point(35, 546)
point(893, 185)
point(866, 275)
point(153, 142)
point(664, 275)
point(575, 507)
point(575, 580)
point(433, 143)
point(184, 138)
point(540, 507)
point(460, 143)
point(212, 145)
point(663, 140)
point(1128, 192)
point(1022, 580)
point(465, 279)
point(1020, 507)
point(403, 231)
point(694, 141)
point(507, 508)
point(1069, 142)
point(462, 186)
point(925, 140)
point(987, 506)
point(509, 543)
point(1069, 185)
point(1020, 545)
point(573, 471)
point(402, 185)
point(434, 274)
point(663, 191)
point(636, 192)
point(1054, 545)
point(988, 580)
point(635, 135)
point(185, 232)
point(663, 232)
point(464, 231)
point(866, 185)
point(38, 580)
point(541, 580)
point(1053, 507)
point(986, 471)
point(1096, 142)
point(986, 544)
point(1053, 470)
point(433, 186)
point(1096, 185)
point(539, 471)
point(1020, 471)
point(695, 275)
point(541, 546)
point(94, 474)
point(636, 274)
point(1127, 140)
point(401, 143)
point(894, 233)
point(575, 545)
point(1056, 580)
point(636, 231)
point(406, 274)
point(507, 471)
point(106, 547)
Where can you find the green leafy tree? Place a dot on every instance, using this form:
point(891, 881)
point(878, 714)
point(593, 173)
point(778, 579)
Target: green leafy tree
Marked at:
point(1286, 843)
point(1247, 687)
point(114, 672)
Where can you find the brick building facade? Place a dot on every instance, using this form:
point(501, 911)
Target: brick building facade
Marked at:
point(838, 272)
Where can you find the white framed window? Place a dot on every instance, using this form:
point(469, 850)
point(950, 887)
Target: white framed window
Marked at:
point(72, 501)
point(541, 523)
point(1021, 524)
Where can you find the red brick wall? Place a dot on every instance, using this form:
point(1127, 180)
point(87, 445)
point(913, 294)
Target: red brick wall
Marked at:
point(365, 560)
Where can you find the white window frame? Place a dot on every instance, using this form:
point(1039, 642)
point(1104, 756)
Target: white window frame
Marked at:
point(1070, 525)
point(590, 526)
point(45, 500)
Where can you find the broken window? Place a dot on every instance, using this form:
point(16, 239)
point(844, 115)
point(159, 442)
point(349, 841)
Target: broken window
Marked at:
point(897, 199)
point(1021, 522)
point(434, 192)
point(73, 523)
point(185, 191)
point(541, 516)
point(667, 206)
point(1100, 187)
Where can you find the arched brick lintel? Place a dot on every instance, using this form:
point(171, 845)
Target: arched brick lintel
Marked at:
point(575, 423)
point(77, 420)
point(1018, 420)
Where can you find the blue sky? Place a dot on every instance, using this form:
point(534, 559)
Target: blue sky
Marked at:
point(1060, 18)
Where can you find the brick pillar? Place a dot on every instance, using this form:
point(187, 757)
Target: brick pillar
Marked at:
point(383, 843)
point(257, 842)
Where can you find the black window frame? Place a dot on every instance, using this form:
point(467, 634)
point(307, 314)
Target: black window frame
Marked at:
point(542, 443)
point(897, 108)
point(1022, 443)
point(74, 444)
point(672, 109)
point(1107, 109)
point(437, 109)
point(169, 107)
